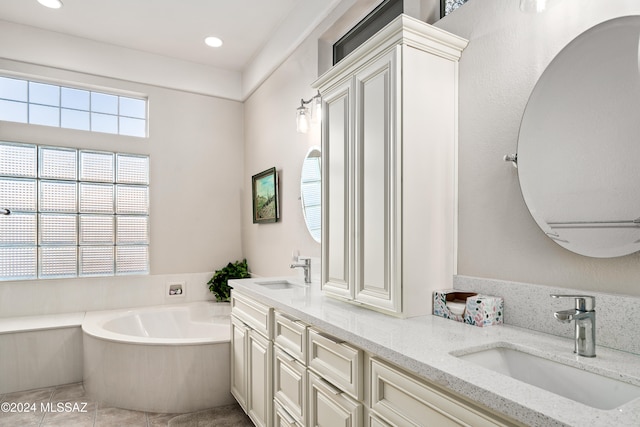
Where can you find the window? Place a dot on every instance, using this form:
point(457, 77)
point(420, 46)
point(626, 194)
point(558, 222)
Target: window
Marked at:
point(51, 105)
point(73, 212)
point(384, 13)
point(448, 6)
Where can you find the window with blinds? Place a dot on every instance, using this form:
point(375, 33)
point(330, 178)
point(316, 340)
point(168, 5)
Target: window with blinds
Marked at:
point(72, 212)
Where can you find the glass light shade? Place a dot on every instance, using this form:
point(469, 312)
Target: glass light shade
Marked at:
point(302, 120)
point(316, 108)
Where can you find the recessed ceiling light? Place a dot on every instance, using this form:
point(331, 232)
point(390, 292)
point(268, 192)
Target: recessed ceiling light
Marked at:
point(213, 41)
point(52, 4)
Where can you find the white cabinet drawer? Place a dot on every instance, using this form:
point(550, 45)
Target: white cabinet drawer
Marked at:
point(403, 400)
point(282, 418)
point(330, 407)
point(374, 421)
point(291, 335)
point(336, 361)
point(290, 384)
point(254, 314)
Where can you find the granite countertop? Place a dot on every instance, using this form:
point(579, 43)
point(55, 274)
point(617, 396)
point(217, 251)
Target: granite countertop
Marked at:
point(424, 345)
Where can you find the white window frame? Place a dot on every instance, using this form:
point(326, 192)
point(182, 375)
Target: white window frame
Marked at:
point(128, 122)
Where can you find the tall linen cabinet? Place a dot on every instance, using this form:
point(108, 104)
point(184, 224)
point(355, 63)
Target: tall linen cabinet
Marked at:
point(389, 156)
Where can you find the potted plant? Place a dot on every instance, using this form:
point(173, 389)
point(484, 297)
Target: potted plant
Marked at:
point(218, 284)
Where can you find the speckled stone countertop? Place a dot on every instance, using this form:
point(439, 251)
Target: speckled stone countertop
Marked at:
point(424, 346)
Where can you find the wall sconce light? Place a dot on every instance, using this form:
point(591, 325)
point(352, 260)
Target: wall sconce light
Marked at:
point(304, 115)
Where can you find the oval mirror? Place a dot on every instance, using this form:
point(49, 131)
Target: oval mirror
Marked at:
point(310, 186)
point(578, 148)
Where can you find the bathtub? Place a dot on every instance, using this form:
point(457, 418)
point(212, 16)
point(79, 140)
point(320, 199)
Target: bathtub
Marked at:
point(167, 359)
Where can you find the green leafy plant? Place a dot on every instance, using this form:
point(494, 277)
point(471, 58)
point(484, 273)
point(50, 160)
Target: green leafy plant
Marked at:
point(218, 284)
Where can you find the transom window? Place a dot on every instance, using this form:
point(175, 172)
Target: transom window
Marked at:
point(47, 104)
point(72, 212)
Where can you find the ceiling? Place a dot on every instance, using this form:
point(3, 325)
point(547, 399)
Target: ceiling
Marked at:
point(173, 28)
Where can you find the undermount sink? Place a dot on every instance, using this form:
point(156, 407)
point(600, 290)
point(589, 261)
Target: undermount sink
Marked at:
point(278, 284)
point(582, 386)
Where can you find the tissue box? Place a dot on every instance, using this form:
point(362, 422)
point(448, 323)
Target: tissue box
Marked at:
point(479, 310)
point(484, 310)
point(440, 299)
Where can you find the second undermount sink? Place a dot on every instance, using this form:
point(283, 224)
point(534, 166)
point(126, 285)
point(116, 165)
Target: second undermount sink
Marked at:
point(582, 386)
point(278, 284)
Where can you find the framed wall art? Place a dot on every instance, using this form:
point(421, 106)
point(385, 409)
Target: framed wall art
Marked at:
point(265, 196)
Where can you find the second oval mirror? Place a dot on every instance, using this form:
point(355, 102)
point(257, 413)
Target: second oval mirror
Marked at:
point(310, 194)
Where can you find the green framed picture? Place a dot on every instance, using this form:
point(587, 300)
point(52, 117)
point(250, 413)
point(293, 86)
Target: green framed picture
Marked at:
point(265, 196)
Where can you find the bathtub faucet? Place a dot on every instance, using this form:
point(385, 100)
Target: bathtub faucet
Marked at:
point(584, 316)
point(306, 266)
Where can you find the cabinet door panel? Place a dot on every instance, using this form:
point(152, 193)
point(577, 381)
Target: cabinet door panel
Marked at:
point(328, 407)
point(376, 181)
point(336, 221)
point(259, 400)
point(289, 384)
point(238, 362)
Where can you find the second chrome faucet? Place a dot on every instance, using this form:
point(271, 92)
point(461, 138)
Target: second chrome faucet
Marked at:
point(306, 266)
point(584, 315)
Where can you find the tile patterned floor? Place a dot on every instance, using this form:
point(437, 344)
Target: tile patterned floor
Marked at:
point(67, 406)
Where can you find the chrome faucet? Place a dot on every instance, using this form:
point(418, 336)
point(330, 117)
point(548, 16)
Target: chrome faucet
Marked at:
point(306, 266)
point(585, 317)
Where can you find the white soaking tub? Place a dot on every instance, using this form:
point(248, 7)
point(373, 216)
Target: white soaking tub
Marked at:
point(168, 359)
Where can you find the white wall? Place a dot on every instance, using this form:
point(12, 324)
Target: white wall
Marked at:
point(196, 178)
point(507, 53)
point(271, 140)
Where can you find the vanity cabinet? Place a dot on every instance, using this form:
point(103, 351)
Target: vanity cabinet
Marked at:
point(251, 358)
point(301, 376)
point(389, 148)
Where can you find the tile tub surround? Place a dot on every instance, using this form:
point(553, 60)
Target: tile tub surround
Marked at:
point(56, 296)
point(423, 345)
point(531, 307)
point(40, 351)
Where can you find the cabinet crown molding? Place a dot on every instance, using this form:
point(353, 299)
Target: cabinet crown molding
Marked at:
point(404, 30)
